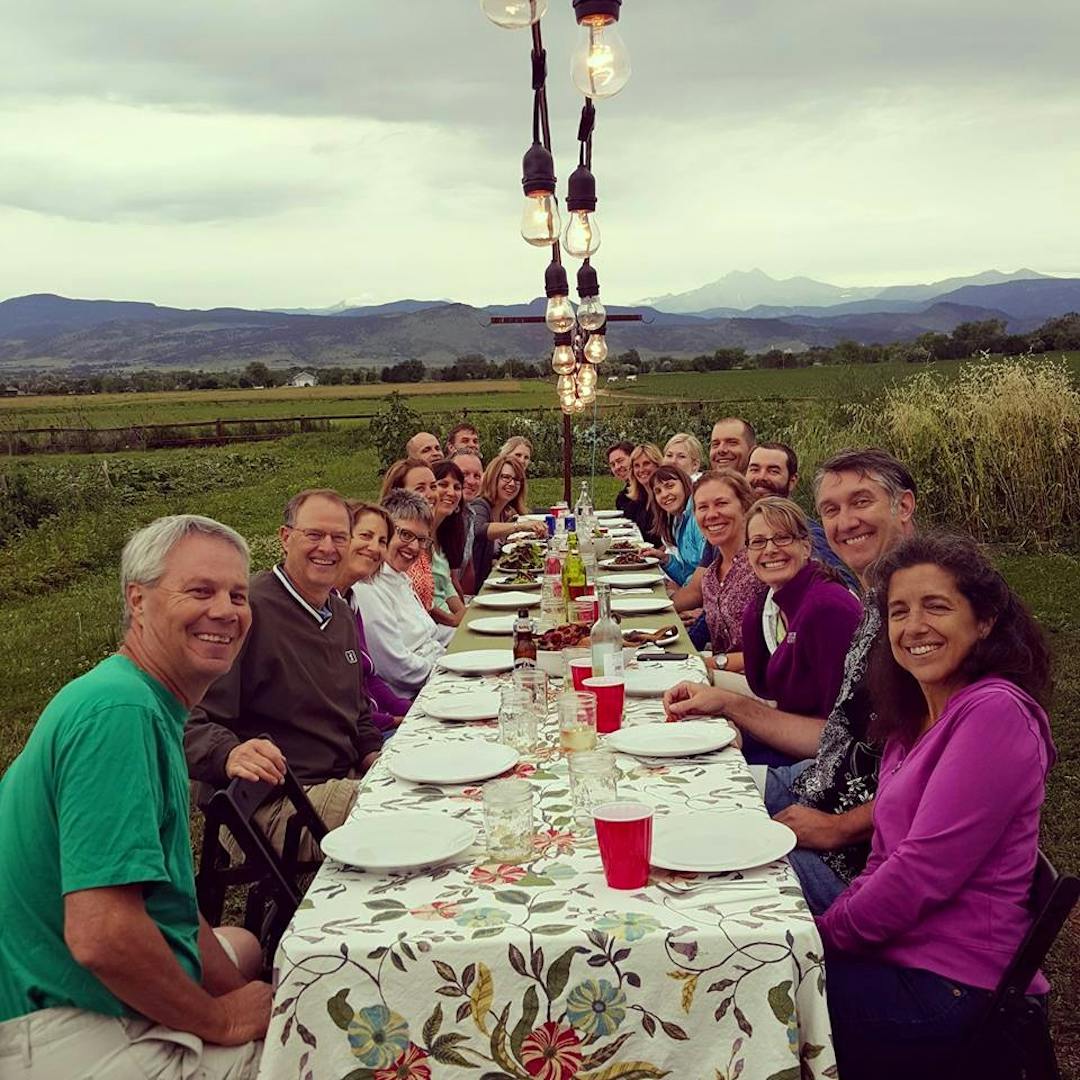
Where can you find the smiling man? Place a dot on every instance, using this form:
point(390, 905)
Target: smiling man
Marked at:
point(425, 447)
point(297, 680)
point(106, 968)
point(866, 499)
point(730, 444)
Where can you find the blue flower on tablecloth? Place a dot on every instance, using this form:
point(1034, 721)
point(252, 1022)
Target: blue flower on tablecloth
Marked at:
point(482, 916)
point(378, 1036)
point(627, 927)
point(596, 1008)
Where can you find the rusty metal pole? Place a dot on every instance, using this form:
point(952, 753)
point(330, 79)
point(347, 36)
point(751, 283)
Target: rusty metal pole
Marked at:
point(567, 456)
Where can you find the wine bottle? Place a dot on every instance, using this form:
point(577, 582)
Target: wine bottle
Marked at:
point(606, 637)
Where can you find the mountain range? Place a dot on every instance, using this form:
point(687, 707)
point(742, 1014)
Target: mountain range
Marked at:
point(47, 330)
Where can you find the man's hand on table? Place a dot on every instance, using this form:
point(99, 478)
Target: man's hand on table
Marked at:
point(815, 829)
point(256, 759)
point(369, 759)
point(690, 617)
point(245, 1014)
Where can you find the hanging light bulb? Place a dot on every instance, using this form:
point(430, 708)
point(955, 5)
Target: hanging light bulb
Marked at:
point(591, 313)
point(565, 385)
point(596, 350)
point(514, 14)
point(563, 360)
point(581, 237)
point(540, 222)
point(601, 64)
point(588, 396)
point(586, 377)
point(559, 315)
point(579, 405)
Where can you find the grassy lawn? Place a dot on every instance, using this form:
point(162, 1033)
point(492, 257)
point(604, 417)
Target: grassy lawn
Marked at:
point(59, 608)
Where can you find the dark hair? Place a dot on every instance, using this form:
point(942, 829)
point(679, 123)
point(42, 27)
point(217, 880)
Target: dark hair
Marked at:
point(749, 434)
point(624, 445)
point(872, 462)
point(663, 522)
point(1014, 648)
point(450, 535)
point(457, 429)
point(792, 458)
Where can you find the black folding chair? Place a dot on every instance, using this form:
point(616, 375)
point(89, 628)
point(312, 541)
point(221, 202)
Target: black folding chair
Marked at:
point(275, 890)
point(1013, 1039)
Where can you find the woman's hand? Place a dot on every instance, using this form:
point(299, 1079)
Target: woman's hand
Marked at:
point(657, 553)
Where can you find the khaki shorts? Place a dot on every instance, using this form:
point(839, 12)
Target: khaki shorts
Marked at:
point(332, 801)
point(74, 1044)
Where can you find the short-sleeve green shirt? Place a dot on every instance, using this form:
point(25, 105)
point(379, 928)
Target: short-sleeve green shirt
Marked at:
point(98, 797)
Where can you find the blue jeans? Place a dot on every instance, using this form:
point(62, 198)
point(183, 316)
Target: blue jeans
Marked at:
point(820, 885)
point(897, 1022)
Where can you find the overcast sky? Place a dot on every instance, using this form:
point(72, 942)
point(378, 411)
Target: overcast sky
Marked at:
point(289, 153)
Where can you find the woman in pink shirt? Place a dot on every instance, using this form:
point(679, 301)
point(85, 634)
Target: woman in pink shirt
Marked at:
point(918, 941)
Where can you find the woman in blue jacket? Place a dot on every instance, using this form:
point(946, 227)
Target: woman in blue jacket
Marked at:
point(683, 543)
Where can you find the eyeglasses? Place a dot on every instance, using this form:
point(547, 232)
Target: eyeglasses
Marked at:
point(317, 536)
point(409, 537)
point(509, 478)
point(781, 540)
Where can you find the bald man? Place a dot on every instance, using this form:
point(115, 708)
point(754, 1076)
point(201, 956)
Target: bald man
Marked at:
point(425, 447)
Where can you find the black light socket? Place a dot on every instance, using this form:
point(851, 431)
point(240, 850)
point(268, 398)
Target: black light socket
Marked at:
point(590, 9)
point(538, 167)
point(563, 339)
point(581, 190)
point(555, 283)
point(588, 284)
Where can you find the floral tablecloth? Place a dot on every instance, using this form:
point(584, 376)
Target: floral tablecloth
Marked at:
point(540, 971)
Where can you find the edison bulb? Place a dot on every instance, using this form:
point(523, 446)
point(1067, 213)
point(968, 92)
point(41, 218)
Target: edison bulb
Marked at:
point(579, 405)
point(601, 64)
point(540, 219)
point(563, 361)
point(559, 315)
point(514, 14)
point(596, 349)
point(586, 376)
point(591, 313)
point(565, 385)
point(581, 237)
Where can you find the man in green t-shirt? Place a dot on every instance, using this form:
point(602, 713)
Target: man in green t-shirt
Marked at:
point(106, 967)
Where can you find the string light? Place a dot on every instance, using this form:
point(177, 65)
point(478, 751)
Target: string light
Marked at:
point(559, 315)
point(596, 350)
point(514, 14)
point(540, 216)
point(600, 66)
point(581, 238)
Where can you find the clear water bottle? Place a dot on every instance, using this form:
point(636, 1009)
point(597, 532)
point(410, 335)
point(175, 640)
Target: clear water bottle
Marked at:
point(552, 599)
point(606, 637)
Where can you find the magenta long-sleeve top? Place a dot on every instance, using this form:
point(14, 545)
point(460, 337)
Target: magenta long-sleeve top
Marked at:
point(956, 832)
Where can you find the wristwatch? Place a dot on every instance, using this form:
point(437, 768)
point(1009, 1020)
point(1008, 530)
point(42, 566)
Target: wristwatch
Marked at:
point(720, 659)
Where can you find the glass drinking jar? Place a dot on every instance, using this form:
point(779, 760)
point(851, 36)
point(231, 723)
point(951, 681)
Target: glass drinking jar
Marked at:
point(535, 683)
point(517, 719)
point(508, 820)
point(592, 783)
point(577, 721)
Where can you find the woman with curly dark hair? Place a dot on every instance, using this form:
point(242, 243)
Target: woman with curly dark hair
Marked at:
point(921, 937)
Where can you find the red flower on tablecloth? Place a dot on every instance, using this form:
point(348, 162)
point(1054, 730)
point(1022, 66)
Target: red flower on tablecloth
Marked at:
point(503, 874)
point(524, 769)
point(473, 794)
point(551, 1052)
point(553, 842)
point(410, 1066)
point(437, 909)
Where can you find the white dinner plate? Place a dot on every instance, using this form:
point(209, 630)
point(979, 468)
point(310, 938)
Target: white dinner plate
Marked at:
point(654, 681)
point(531, 517)
point(608, 514)
point(475, 705)
point(501, 625)
point(478, 661)
point(398, 840)
point(639, 563)
point(712, 842)
point(498, 583)
point(667, 639)
point(460, 762)
point(639, 605)
point(632, 578)
point(671, 740)
point(507, 601)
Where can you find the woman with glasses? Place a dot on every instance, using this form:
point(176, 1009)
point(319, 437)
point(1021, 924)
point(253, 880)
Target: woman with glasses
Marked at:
point(502, 500)
point(364, 557)
point(403, 641)
point(794, 637)
point(673, 521)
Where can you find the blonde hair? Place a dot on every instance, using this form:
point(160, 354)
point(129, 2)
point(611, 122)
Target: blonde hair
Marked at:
point(489, 486)
point(395, 475)
point(643, 450)
point(692, 443)
point(779, 513)
point(513, 443)
point(734, 480)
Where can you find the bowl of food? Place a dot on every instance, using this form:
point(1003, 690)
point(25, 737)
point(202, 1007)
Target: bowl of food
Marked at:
point(550, 645)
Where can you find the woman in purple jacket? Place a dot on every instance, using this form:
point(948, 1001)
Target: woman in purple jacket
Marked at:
point(794, 637)
point(918, 941)
point(371, 532)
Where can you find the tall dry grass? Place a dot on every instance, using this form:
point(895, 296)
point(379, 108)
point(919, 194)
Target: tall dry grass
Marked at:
point(996, 450)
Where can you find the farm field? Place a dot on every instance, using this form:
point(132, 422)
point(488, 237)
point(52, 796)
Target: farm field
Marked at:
point(849, 383)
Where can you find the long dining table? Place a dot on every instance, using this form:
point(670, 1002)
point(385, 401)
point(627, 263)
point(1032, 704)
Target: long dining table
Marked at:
point(537, 969)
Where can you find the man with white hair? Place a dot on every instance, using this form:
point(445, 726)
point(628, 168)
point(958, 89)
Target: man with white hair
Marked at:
point(297, 681)
point(106, 967)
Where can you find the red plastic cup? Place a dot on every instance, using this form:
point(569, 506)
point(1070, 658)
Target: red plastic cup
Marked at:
point(580, 670)
point(610, 691)
point(624, 833)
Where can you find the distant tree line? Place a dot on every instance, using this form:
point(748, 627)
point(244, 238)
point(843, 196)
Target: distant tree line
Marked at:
point(966, 340)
